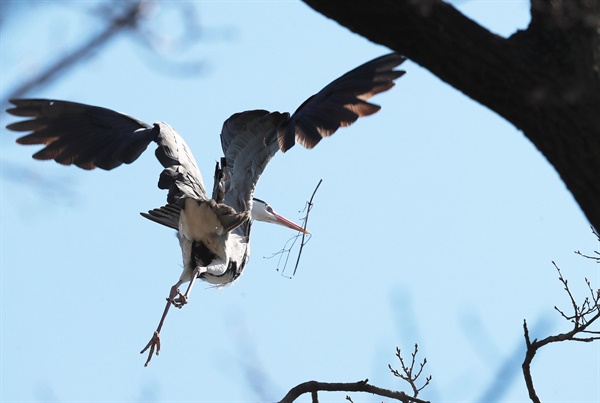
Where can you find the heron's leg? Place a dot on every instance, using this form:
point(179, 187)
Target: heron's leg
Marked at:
point(183, 299)
point(154, 343)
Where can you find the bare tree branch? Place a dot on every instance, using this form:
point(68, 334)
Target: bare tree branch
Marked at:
point(409, 375)
point(408, 371)
point(583, 317)
point(127, 19)
point(595, 257)
point(361, 386)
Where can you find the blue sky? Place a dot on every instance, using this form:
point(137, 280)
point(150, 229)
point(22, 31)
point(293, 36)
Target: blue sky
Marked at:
point(436, 223)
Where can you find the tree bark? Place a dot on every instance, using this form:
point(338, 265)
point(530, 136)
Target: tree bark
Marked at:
point(545, 80)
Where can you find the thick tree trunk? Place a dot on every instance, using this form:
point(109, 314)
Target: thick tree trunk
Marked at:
point(545, 79)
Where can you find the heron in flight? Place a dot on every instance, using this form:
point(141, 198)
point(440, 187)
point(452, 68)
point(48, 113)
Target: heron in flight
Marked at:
point(213, 232)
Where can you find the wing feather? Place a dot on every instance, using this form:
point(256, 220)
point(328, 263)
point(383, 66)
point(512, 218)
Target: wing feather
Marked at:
point(181, 176)
point(94, 137)
point(248, 145)
point(343, 101)
point(167, 215)
point(88, 136)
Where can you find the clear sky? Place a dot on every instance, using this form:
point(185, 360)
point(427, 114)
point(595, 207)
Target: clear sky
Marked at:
point(436, 223)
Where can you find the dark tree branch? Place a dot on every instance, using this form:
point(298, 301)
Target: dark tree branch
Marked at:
point(127, 19)
point(545, 80)
point(123, 17)
point(529, 354)
point(313, 387)
point(583, 317)
point(408, 373)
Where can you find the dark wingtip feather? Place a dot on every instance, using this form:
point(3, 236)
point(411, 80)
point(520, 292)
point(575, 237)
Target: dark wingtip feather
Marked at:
point(26, 125)
point(340, 103)
point(387, 62)
point(286, 135)
point(84, 135)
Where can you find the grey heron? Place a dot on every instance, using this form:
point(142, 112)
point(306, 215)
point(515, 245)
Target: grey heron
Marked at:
point(213, 231)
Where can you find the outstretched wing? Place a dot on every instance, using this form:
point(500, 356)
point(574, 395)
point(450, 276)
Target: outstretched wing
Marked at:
point(87, 136)
point(93, 137)
point(340, 103)
point(248, 145)
point(250, 139)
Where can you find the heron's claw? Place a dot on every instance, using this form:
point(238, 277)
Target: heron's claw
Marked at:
point(153, 344)
point(176, 298)
point(180, 300)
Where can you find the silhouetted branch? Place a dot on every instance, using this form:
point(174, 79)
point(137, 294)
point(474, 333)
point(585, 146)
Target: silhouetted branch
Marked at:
point(313, 387)
point(583, 316)
point(409, 375)
point(408, 371)
point(164, 43)
point(121, 16)
point(116, 25)
point(596, 257)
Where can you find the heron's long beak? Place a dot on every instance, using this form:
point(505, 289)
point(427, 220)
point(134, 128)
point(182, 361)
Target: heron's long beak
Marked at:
point(284, 221)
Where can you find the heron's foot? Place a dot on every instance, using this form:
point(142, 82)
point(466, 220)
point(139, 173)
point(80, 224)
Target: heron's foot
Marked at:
point(153, 345)
point(179, 300)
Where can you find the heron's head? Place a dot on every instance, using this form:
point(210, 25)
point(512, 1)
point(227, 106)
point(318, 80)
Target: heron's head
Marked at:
point(261, 211)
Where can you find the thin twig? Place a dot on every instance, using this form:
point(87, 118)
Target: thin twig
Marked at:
point(597, 257)
point(284, 253)
point(310, 205)
point(408, 371)
point(573, 302)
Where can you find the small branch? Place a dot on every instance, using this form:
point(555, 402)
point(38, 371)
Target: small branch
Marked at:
point(583, 316)
point(529, 354)
point(360, 386)
point(409, 375)
point(597, 256)
point(573, 302)
point(309, 207)
point(313, 387)
point(127, 19)
point(284, 253)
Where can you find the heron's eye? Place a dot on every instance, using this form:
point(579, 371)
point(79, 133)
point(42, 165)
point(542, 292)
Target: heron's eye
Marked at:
point(269, 208)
